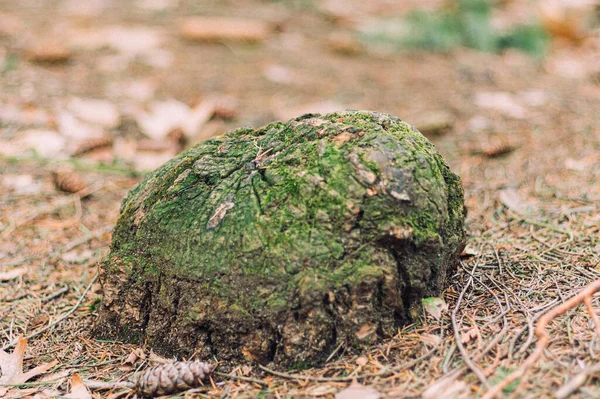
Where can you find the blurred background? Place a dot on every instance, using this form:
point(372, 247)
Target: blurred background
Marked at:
point(128, 84)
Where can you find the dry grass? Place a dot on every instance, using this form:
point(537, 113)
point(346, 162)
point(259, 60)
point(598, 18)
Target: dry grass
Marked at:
point(523, 266)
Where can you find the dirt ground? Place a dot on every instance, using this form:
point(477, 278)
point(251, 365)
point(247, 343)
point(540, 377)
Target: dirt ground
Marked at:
point(523, 134)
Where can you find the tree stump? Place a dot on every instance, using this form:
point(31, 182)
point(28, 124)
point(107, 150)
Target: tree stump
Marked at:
point(282, 243)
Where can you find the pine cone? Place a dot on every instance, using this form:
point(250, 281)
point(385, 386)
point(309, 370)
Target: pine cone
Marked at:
point(170, 378)
point(497, 150)
point(92, 144)
point(69, 182)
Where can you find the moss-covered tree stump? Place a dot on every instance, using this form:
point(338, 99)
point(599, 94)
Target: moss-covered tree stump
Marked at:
point(282, 243)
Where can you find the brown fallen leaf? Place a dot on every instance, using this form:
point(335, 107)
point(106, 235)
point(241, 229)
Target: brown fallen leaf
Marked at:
point(571, 20)
point(49, 53)
point(12, 274)
point(38, 321)
point(97, 112)
point(12, 367)
point(344, 43)
point(469, 251)
point(133, 357)
point(216, 29)
point(510, 198)
point(505, 103)
point(434, 307)
point(78, 389)
point(357, 391)
point(446, 387)
point(320, 390)
point(470, 335)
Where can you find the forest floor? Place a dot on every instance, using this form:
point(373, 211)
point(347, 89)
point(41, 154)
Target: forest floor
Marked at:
point(523, 134)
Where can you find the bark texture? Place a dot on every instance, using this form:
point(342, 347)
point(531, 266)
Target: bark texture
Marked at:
point(281, 243)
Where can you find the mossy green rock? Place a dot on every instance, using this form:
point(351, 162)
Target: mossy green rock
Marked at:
point(282, 243)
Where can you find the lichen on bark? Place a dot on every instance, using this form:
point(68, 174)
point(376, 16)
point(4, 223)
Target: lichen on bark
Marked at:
point(282, 243)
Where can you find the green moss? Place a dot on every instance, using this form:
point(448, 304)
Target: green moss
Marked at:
point(465, 24)
point(289, 217)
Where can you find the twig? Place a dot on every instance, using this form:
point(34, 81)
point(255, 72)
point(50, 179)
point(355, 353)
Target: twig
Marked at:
point(588, 304)
point(543, 338)
point(241, 378)
point(574, 383)
point(55, 294)
point(102, 385)
point(60, 319)
point(383, 373)
point(29, 216)
point(461, 348)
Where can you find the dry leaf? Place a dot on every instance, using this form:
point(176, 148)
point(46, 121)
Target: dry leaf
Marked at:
point(22, 184)
point(197, 117)
point(23, 114)
point(357, 391)
point(344, 43)
point(500, 101)
point(320, 390)
point(470, 335)
point(362, 361)
point(511, 199)
point(434, 307)
point(154, 358)
point(145, 161)
point(71, 126)
point(133, 357)
point(78, 389)
point(49, 52)
point(430, 339)
point(570, 20)
point(98, 112)
point(12, 367)
point(56, 378)
point(366, 331)
point(447, 388)
point(46, 143)
point(162, 118)
point(469, 251)
point(12, 274)
point(246, 370)
point(129, 41)
point(37, 321)
point(216, 29)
